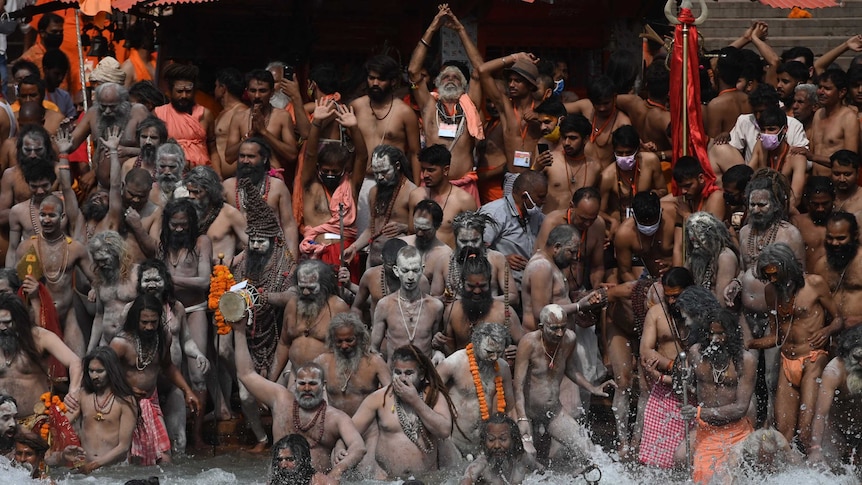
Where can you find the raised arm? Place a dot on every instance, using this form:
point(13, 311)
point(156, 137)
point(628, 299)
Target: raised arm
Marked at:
point(324, 110)
point(418, 81)
point(823, 62)
point(264, 390)
point(347, 118)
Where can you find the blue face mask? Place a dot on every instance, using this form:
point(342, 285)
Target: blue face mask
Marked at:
point(559, 86)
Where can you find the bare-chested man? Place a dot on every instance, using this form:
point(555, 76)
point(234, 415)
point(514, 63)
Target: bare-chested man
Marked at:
point(143, 348)
point(479, 375)
point(450, 116)
point(28, 348)
point(376, 282)
point(650, 116)
point(222, 223)
point(307, 315)
point(696, 193)
point(773, 151)
point(725, 374)
point(152, 132)
point(721, 113)
point(254, 164)
point(800, 327)
point(571, 169)
point(818, 197)
point(634, 172)
point(59, 256)
point(229, 88)
point(410, 436)
point(427, 218)
point(115, 284)
point(303, 410)
point(435, 162)
point(389, 203)
point(108, 412)
point(845, 172)
point(384, 120)
point(601, 109)
point(646, 239)
point(262, 121)
point(835, 126)
point(840, 265)
point(835, 430)
point(409, 316)
point(503, 459)
point(545, 357)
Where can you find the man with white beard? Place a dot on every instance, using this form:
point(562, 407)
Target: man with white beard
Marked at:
point(711, 254)
point(836, 423)
point(170, 165)
point(152, 132)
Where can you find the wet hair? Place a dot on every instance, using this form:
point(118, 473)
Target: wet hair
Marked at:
point(162, 268)
point(686, 168)
point(263, 149)
point(152, 121)
point(677, 277)
point(819, 184)
point(131, 326)
point(837, 76)
point(386, 67)
point(325, 75)
point(626, 136)
point(48, 19)
point(562, 234)
point(206, 178)
point(551, 107)
point(116, 245)
point(850, 219)
point(738, 175)
point(301, 451)
point(601, 88)
point(25, 437)
point(326, 276)
point(147, 93)
point(232, 79)
point(171, 147)
point(697, 302)
point(585, 193)
point(778, 187)
point(657, 79)
point(433, 208)
point(763, 95)
point(181, 72)
point(730, 65)
point(577, 123)
point(437, 155)
point(528, 181)
point(845, 158)
point(732, 334)
point(113, 370)
point(260, 75)
point(435, 386)
point(780, 254)
point(623, 69)
point(473, 262)
point(390, 250)
point(646, 206)
point(773, 116)
point(11, 275)
point(849, 339)
point(172, 208)
point(809, 89)
point(471, 220)
point(23, 326)
point(794, 69)
point(55, 59)
point(514, 434)
point(360, 331)
point(799, 51)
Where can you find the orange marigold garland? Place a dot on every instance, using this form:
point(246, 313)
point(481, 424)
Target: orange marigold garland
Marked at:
point(480, 389)
point(48, 400)
point(220, 281)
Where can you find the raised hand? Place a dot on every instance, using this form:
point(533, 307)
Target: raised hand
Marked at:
point(345, 116)
point(113, 140)
point(324, 110)
point(63, 139)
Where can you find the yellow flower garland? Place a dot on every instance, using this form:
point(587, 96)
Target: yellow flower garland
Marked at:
point(220, 281)
point(480, 389)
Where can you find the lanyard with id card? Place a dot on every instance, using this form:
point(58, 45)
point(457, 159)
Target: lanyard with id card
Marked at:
point(522, 159)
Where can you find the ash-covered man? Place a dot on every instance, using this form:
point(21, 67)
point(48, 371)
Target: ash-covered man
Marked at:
point(115, 282)
point(711, 253)
point(8, 424)
point(409, 316)
point(152, 132)
point(427, 218)
point(479, 375)
point(449, 115)
point(171, 163)
point(503, 459)
point(143, 348)
point(222, 223)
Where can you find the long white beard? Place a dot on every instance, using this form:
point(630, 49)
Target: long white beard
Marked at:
point(854, 382)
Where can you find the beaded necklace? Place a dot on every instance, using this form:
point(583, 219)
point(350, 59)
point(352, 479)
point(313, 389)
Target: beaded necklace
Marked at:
point(58, 275)
point(240, 193)
point(103, 408)
point(145, 359)
point(388, 212)
point(413, 427)
point(37, 228)
point(755, 242)
point(320, 414)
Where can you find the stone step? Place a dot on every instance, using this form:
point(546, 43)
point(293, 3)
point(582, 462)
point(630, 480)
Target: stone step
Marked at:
point(842, 27)
point(747, 9)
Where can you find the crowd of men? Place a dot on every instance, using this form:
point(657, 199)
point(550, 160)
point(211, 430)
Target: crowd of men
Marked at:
point(439, 281)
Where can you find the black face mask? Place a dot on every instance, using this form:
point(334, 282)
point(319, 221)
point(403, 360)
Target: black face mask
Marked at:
point(52, 41)
point(330, 181)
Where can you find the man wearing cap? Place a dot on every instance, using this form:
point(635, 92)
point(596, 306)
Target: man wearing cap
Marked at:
point(521, 128)
point(449, 116)
point(267, 265)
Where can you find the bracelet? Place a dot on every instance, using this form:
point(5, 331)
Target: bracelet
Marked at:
point(422, 41)
point(527, 438)
point(523, 419)
point(578, 307)
point(670, 365)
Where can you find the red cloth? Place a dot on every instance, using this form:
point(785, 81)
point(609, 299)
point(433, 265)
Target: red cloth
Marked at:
point(49, 321)
point(62, 433)
point(664, 427)
point(344, 195)
point(697, 137)
point(188, 131)
point(713, 445)
point(331, 255)
point(150, 438)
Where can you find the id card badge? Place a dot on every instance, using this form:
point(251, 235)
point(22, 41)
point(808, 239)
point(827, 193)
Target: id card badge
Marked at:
point(522, 159)
point(447, 130)
point(629, 212)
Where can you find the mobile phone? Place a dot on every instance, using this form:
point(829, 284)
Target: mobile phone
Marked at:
point(288, 72)
point(543, 147)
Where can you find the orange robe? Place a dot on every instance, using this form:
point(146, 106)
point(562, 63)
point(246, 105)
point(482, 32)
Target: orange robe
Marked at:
point(187, 130)
point(141, 71)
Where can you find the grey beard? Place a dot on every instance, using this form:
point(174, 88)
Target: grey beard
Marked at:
point(309, 402)
point(311, 308)
point(450, 93)
point(109, 274)
point(700, 262)
point(120, 120)
point(345, 366)
point(167, 182)
point(854, 381)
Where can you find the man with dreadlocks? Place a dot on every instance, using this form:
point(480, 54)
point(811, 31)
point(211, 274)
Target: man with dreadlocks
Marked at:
point(768, 195)
point(414, 414)
point(267, 265)
point(151, 134)
point(478, 374)
point(222, 223)
point(469, 228)
point(116, 277)
point(190, 124)
point(711, 253)
point(725, 374)
point(800, 328)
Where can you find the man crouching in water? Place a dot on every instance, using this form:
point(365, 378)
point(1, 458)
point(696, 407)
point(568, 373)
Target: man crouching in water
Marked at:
point(503, 459)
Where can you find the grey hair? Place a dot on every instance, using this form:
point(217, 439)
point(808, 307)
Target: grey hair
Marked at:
point(171, 147)
point(121, 91)
point(810, 91)
point(207, 178)
point(495, 331)
point(552, 310)
point(789, 268)
point(360, 331)
point(451, 68)
point(713, 236)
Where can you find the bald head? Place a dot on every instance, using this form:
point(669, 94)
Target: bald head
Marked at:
point(55, 201)
point(31, 112)
point(139, 177)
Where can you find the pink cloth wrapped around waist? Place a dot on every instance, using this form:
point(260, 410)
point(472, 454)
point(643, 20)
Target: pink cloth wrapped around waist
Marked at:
point(150, 438)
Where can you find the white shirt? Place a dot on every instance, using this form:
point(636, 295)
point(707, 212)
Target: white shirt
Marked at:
point(745, 134)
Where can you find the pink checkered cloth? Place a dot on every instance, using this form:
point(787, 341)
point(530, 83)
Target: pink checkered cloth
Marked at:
point(150, 438)
point(664, 428)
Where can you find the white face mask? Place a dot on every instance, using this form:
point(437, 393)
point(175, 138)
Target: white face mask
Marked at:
point(531, 211)
point(648, 230)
